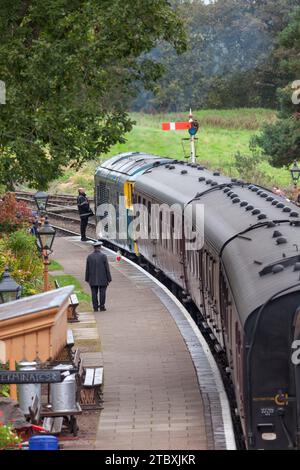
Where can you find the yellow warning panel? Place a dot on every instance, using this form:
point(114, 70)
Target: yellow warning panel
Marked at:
point(128, 194)
point(136, 249)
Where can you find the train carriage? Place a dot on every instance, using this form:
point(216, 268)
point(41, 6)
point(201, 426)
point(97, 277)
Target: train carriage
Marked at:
point(244, 279)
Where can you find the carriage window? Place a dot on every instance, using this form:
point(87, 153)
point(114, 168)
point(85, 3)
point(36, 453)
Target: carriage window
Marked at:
point(172, 244)
point(195, 255)
point(149, 217)
point(207, 265)
point(201, 265)
point(212, 278)
point(238, 337)
point(160, 227)
point(193, 262)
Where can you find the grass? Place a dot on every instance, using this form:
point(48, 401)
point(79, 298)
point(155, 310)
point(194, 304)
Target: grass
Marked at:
point(68, 280)
point(55, 266)
point(222, 133)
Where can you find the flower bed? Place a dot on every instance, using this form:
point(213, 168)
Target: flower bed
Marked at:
point(8, 438)
point(18, 249)
point(18, 252)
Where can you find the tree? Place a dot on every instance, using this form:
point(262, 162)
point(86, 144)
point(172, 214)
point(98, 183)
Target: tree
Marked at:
point(229, 59)
point(70, 68)
point(281, 141)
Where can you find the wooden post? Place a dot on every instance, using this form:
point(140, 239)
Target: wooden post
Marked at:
point(295, 192)
point(46, 271)
point(12, 387)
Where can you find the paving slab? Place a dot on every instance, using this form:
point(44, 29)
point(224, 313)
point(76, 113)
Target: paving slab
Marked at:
point(151, 380)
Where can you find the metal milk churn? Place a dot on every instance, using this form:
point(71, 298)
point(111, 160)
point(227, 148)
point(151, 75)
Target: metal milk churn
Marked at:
point(63, 394)
point(26, 392)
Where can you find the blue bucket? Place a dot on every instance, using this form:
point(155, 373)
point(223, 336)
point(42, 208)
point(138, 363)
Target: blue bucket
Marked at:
point(43, 443)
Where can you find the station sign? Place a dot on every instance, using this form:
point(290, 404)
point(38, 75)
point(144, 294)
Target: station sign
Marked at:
point(31, 376)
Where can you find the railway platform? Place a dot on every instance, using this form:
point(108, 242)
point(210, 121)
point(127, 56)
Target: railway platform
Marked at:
point(162, 389)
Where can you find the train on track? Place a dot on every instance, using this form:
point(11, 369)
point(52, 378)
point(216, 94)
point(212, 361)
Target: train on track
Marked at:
point(243, 278)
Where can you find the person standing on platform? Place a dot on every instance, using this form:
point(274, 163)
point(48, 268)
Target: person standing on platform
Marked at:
point(84, 211)
point(97, 274)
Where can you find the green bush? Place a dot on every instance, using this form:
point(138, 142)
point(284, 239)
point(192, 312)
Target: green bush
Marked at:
point(247, 166)
point(19, 253)
point(8, 439)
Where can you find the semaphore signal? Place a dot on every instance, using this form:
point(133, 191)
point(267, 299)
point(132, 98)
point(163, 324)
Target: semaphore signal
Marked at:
point(192, 126)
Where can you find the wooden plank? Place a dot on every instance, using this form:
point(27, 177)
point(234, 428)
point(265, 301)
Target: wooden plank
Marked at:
point(93, 359)
point(74, 299)
point(89, 377)
point(76, 358)
point(70, 338)
point(47, 424)
point(98, 378)
point(53, 425)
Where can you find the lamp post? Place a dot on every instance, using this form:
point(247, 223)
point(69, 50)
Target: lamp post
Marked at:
point(10, 290)
point(45, 238)
point(41, 200)
point(295, 173)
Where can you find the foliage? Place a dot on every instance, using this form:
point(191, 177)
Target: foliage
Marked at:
point(247, 166)
point(4, 388)
point(18, 252)
point(55, 266)
point(8, 438)
point(281, 140)
point(13, 214)
point(68, 280)
point(221, 135)
point(229, 61)
point(70, 68)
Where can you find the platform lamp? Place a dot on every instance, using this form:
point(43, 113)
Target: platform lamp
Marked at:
point(41, 200)
point(295, 173)
point(45, 238)
point(10, 290)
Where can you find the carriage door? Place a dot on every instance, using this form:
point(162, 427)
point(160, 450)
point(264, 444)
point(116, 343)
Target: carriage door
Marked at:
point(295, 360)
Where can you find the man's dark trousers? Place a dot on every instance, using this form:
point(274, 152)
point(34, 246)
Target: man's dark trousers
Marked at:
point(102, 296)
point(83, 225)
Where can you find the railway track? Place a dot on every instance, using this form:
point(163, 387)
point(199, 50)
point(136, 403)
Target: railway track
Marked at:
point(55, 199)
point(62, 213)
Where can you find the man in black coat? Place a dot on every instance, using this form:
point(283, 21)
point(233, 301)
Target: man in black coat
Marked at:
point(98, 276)
point(84, 211)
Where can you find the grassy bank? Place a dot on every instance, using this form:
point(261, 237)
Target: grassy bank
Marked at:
point(68, 280)
point(222, 133)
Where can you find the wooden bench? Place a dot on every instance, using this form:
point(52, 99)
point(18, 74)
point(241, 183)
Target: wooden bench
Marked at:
point(91, 381)
point(73, 304)
point(70, 338)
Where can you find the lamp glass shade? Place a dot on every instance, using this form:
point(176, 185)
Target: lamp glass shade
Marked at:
point(45, 236)
point(295, 172)
point(41, 199)
point(9, 289)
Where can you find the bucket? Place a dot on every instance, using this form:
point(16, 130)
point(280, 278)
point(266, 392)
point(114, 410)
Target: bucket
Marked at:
point(44, 442)
point(26, 392)
point(63, 394)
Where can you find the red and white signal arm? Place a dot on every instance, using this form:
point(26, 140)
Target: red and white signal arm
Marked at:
point(175, 126)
